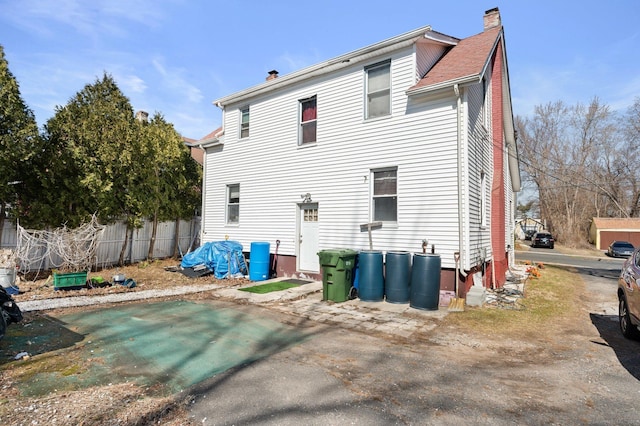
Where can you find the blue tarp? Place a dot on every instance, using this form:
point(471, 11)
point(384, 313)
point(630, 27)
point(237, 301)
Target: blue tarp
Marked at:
point(223, 258)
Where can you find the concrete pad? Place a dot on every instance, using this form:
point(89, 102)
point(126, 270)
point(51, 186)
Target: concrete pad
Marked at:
point(173, 343)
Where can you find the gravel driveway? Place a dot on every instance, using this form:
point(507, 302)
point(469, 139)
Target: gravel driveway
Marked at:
point(437, 376)
point(444, 377)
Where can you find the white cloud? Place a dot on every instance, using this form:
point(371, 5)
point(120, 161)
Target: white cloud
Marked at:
point(131, 84)
point(88, 18)
point(294, 63)
point(173, 79)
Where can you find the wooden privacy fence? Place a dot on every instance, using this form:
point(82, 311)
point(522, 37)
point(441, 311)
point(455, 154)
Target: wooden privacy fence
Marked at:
point(111, 240)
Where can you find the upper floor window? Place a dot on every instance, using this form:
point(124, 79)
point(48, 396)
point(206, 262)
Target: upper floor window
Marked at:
point(385, 195)
point(308, 120)
point(244, 122)
point(233, 203)
point(378, 86)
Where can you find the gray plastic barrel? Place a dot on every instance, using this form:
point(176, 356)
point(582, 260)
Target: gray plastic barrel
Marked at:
point(371, 276)
point(7, 277)
point(425, 281)
point(397, 277)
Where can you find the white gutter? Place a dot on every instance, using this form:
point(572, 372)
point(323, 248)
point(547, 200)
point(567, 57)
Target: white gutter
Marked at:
point(475, 78)
point(456, 90)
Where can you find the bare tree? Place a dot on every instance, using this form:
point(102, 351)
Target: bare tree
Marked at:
point(572, 154)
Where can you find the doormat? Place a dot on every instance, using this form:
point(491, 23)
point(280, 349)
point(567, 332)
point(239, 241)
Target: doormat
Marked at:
point(295, 281)
point(269, 287)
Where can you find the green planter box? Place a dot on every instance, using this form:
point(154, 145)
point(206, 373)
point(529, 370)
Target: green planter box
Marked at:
point(69, 280)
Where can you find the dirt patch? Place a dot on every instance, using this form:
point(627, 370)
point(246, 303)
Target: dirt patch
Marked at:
point(158, 274)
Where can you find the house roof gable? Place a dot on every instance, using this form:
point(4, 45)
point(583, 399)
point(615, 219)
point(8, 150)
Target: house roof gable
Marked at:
point(466, 61)
point(616, 223)
point(211, 139)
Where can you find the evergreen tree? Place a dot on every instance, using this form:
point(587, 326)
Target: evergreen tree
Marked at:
point(90, 152)
point(19, 140)
point(167, 175)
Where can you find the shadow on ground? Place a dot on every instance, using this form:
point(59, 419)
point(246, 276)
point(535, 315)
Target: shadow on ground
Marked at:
point(36, 334)
point(626, 350)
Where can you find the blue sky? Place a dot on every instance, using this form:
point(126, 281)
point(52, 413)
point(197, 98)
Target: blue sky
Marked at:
point(177, 56)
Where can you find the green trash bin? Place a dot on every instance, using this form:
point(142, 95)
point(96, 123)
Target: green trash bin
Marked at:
point(337, 273)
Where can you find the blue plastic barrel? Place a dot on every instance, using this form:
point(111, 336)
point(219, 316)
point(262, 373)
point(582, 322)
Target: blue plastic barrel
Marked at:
point(397, 277)
point(370, 276)
point(259, 261)
point(425, 281)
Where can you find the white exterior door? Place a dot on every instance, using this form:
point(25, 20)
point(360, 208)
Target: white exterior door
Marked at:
point(308, 238)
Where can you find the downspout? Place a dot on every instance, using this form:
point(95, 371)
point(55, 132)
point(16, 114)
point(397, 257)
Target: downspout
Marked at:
point(204, 179)
point(456, 89)
point(203, 191)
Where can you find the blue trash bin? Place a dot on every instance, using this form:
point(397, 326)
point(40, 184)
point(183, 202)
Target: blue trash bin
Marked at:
point(397, 277)
point(259, 261)
point(370, 276)
point(425, 281)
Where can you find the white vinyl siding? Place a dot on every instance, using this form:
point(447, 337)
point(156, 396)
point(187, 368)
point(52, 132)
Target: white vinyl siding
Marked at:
point(419, 139)
point(427, 54)
point(480, 165)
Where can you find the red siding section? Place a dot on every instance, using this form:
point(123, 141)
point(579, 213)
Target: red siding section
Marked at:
point(498, 196)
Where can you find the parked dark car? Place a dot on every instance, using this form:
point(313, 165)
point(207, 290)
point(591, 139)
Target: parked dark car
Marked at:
point(620, 249)
point(629, 296)
point(542, 239)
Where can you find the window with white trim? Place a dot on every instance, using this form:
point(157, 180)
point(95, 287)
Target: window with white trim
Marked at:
point(244, 123)
point(483, 199)
point(233, 203)
point(385, 195)
point(308, 120)
point(378, 88)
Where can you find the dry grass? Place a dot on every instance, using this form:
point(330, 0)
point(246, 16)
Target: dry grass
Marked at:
point(552, 304)
point(147, 275)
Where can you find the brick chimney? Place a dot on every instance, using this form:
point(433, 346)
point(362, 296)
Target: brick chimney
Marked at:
point(273, 74)
point(492, 19)
point(142, 116)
